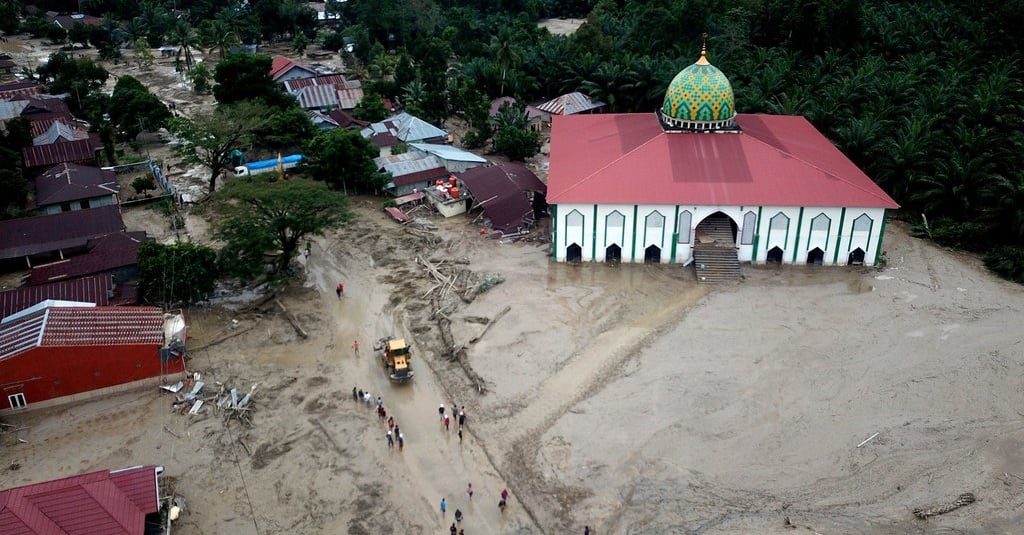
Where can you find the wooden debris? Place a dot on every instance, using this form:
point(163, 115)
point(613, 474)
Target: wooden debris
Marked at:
point(292, 319)
point(172, 433)
point(247, 452)
point(869, 439)
point(962, 500)
point(490, 323)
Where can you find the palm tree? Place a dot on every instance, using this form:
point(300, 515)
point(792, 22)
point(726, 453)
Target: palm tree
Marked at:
point(506, 52)
point(960, 187)
point(184, 36)
point(217, 35)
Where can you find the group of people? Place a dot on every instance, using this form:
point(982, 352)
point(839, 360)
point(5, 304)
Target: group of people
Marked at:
point(457, 415)
point(394, 433)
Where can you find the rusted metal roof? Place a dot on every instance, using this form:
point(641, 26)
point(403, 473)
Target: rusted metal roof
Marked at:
point(532, 112)
point(59, 325)
point(96, 289)
point(408, 162)
point(405, 127)
point(60, 131)
point(106, 253)
point(569, 104)
point(78, 151)
point(41, 123)
point(349, 98)
point(776, 160)
point(25, 88)
point(107, 502)
point(49, 233)
point(317, 97)
point(502, 189)
point(336, 80)
point(346, 120)
point(281, 66)
point(71, 182)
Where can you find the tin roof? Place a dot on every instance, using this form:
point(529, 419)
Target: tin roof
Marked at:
point(776, 160)
point(48, 233)
point(502, 190)
point(406, 128)
point(106, 502)
point(409, 167)
point(346, 120)
point(71, 182)
point(317, 96)
point(24, 88)
point(78, 151)
point(95, 289)
point(569, 104)
point(60, 131)
point(448, 152)
point(63, 325)
point(349, 97)
point(108, 252)
point(295, 85)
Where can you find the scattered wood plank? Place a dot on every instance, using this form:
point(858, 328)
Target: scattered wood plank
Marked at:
point(292, 319)
point(869, 439)
point(495, 320)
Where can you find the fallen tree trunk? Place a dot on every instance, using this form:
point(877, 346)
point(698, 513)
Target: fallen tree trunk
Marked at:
point(489, 324)
point(292, 319)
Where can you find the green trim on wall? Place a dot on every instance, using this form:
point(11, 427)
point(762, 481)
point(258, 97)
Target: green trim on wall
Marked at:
point(621, 237)
point(675, 236)
point(661, 239)
point(839, 238)
point(881, 238)
point(632, 253)
point(554, 231)
point(867, 246)
point(593, 245)
point(796, 242)
point(757, 235)
point(785, 240)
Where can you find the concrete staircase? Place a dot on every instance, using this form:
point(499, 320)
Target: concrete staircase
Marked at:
point(714, 253)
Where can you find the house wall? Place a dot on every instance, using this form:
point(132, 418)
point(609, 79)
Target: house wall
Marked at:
point(796, 231)
point(48, 372)
point(72, 206)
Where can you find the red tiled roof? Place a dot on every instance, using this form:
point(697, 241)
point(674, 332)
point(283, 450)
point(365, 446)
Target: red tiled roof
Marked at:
point(48, 233)
point(281, 65)
point(775, 161)
point(346, 120)
point(42, 122)
point(336, 80)
point(111, 503)
point(93, 289)
point(24, 88)
point(72, 182)
point(78, 151)
point(504, 187)
point(63, 326)
point(68, 21)
point(109, 252)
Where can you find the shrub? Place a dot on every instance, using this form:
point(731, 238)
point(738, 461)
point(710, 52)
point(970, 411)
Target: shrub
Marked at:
point(1007, 262)
point(143, 184)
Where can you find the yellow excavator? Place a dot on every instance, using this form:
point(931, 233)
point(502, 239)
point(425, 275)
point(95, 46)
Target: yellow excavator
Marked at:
point(395, 355)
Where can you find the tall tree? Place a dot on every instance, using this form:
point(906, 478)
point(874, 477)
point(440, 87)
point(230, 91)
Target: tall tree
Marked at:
point(134, 109)
point(208, 138)
point(185, 37)
point(175, 274)
point(245, 76)
point(217, 35)
point(344, 158)
point(270, 219)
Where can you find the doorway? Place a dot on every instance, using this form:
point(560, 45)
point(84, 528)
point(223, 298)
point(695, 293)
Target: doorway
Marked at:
point(774, 256)
point(613, 255)
point(856, 257)
point(652, 255)
point(816, 257)
point(574, 254)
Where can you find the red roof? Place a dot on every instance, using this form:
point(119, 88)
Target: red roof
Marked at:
point(777, 160)
point(49, 233)
point(87, 290)
point(281, 65)
point(78, 151)
point(61, 326)
point(108, 252)
point(72, 182)
point(111, 503)
point(503, 186)
point(426, 175)
point(24, 88)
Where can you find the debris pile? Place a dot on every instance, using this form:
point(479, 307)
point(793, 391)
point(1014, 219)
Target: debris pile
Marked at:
point(962, 500)
point(189, 399)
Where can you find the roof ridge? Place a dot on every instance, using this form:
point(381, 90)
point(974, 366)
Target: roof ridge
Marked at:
point(883, 197)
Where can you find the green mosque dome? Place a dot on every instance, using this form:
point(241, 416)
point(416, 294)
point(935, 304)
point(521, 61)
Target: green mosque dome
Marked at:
point(699, 98)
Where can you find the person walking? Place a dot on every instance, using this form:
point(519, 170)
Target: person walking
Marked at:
point(469, 490)
point(440, 411)
point(401, 441)
point(367, 398)
point(504, 494)
point(361, 396)
point(460, 436)
point(447, 422)
point(391, 423)
point(380, 401)
point(340, 290)
point(354, 394)
point(444, 506)
point(382, 413)
point(458, 516)
point(391, 439)
point(462, 418)
point(453, 530)
point(355, 347)
point(586, 530)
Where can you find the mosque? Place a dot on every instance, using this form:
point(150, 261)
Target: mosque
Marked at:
point(698, 183)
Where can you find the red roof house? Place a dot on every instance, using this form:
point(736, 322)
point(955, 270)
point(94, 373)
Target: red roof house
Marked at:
point(59, 349)
point(57, 234)
point(67, 183)
point(115, 253)
point(283, 69)
point(103, 502)
point(510, 190)
point(82, 151)
point(98, 289)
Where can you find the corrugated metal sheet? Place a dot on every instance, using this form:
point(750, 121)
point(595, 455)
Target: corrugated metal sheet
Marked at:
point(97, 502)
point(317, 97)
point(79, 151)
point(48, 233)
point(72, 182)
point(349, 98)
point(41, 123)
point(60, 130)
point(10, 109)
point(107, 253)
point(95, 289)
point(295, 85)
point(405, 166)
point(427, 175)
point(775, 161)
point(504, 187)
point(569, 104)
point(448, 152)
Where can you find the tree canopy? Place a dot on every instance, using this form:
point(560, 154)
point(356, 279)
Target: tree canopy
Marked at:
point(179, 273)
point(264, 221)
point(244, 76)
point(344, 158)
point(134, 109)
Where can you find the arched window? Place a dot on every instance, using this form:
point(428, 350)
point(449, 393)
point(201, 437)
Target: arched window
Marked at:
point(614, 228)
point(821, 223)
point(683, 228)
point(654, 227)
point(778, 229)
point(574, 219)
point(749, 224)
point(862, 223)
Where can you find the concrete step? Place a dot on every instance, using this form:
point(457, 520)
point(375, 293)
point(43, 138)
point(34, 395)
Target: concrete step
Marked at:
point(716, 264)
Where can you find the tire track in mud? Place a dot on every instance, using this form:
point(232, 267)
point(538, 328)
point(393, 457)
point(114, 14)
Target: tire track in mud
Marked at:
point(584, 375)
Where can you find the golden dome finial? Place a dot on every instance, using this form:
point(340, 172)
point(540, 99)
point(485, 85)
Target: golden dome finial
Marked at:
point(704, 51)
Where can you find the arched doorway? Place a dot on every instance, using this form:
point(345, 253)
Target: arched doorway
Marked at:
point(816, 257)
point(856, 257)
point(652, 255)
point(613, 254)
point(574, 254)
point(718, 229)
point(774, 256)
